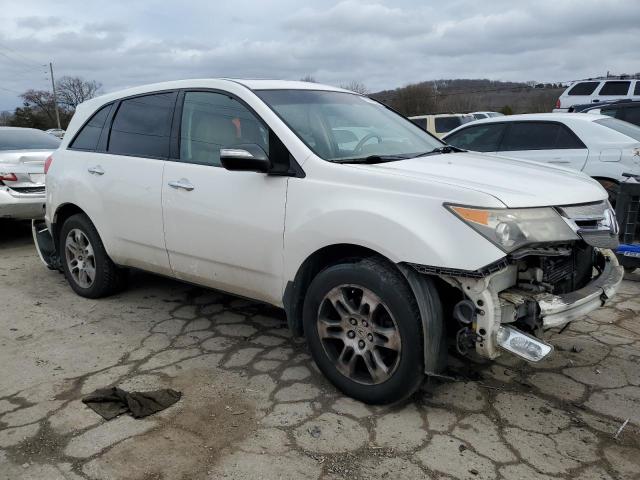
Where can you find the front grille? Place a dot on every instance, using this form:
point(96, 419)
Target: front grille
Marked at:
point(28, 189)
point(628, 212)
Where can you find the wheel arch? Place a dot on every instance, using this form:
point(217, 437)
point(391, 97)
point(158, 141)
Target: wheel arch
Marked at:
point(63, 212)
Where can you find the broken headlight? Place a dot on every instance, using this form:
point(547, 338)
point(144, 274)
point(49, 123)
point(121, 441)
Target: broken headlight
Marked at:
point(511, 228)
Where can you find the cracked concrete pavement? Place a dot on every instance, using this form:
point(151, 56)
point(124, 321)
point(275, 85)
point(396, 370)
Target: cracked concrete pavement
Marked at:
point(255, 407)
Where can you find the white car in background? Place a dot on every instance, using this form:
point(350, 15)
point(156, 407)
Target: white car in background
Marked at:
point(23, 152)
point(604, 148)
point(366, 230)
point(483, 115)
point(596, 91)
point(441, 123)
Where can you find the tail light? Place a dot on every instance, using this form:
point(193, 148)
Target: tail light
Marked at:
point(558, 103)
point(8, 177)
point(47, 163)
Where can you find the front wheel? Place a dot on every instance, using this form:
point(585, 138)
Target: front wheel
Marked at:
point(86, 265)
point(364, 331)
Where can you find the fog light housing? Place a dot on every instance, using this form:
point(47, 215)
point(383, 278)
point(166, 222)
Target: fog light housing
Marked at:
point(522, 344)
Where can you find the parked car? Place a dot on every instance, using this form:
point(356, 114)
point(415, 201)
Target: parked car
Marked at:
point(482, 115)
point(22, 155)
point(596, 91)
point(602, 147)
point(441, 123)
point(56, 132)
point(626, 111)
point(375, 250)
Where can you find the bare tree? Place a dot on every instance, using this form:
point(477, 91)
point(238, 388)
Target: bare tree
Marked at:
point(41, 101)
point(355, 86)
point(5, 118)
point(308, 78)
point(74, 90)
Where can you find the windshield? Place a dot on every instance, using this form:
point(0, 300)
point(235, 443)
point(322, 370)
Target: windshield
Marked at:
point(340, 126)
point(620, 126)
point(13, 139)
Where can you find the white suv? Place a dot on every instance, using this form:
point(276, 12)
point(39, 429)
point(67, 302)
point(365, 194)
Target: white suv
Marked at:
point(380, 250)
point(596, 91)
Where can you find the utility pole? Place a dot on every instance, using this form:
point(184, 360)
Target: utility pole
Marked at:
point(55, 98)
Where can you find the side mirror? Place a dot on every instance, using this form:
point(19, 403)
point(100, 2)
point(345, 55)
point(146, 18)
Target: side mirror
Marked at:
point(248, 157)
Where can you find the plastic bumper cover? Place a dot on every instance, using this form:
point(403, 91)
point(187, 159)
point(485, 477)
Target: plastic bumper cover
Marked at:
point(21, 206)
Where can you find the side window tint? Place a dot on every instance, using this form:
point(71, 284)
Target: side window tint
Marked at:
point(481, 138)
point(636, 90)
point(421, 122)
point(142, 126)
point(87, 138)
point(611, 112)
point(211, 121)
point(615, 88)
point(583, 88)
point(632, 115)
point(568, 139)
point(530, 136)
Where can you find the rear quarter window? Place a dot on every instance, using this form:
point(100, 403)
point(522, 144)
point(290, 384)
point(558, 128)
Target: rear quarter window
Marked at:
point(615, 88)
point(142, 126)
point(583, 88)
point(89, 135)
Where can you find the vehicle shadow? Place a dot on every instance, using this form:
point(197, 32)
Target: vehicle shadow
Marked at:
point(14, 233)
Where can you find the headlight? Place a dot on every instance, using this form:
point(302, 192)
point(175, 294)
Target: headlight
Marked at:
point(511, 228)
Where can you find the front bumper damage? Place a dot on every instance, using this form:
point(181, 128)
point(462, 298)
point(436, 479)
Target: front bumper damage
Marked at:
point(498, 305)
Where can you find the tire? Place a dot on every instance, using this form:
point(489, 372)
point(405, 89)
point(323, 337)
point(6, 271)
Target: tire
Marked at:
point(612, 187)
point(335, 307)
point(81, 249)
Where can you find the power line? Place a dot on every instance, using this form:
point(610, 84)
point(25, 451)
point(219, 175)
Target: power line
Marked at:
point(14, 52)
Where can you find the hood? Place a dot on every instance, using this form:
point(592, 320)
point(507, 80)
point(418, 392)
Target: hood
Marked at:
point(516, 183)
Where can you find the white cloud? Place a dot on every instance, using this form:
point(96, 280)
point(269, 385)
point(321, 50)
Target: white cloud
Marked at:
point(381, 43)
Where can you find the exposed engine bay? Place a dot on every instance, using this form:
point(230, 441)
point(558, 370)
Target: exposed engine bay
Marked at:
point(538, 288)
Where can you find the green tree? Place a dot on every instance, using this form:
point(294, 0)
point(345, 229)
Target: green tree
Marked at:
point(506, 110)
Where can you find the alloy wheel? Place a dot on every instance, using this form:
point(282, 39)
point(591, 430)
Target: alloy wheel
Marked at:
point(80, 258)
point(359, 334)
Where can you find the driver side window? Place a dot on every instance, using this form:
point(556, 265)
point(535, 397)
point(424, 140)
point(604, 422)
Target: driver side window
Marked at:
point(211, 121)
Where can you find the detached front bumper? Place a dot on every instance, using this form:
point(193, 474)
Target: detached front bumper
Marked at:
point(21, 206)
point(558, 310)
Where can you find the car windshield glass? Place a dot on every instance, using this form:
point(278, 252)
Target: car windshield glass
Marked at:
point(340, 126)
point(625, 128)
point(27, 140)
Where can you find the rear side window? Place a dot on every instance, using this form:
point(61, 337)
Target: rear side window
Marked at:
point(142, 126)
point(583, 88)
point(622, 127)
point(615, 88)
point(421, 122)
point(636, 91)
point(481, 138)
point(87, 138)
point(539, 136)
point(446, 124)
point(632, 115)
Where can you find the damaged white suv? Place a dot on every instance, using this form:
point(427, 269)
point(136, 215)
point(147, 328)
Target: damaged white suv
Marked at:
point(383, 245)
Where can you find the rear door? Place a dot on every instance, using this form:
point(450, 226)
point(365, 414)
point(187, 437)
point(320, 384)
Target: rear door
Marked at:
point(223, 229)
point(125, 175)
point(612, 90)
point(546, 142)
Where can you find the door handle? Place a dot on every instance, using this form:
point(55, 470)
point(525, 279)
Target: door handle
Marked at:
point(97, 170)
point(183, 183)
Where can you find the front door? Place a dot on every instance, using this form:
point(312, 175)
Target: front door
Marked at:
point(545, 142)
point(223, 229)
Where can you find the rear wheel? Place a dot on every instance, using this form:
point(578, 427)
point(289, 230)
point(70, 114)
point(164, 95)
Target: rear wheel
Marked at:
point(87, 267)
point(364, 331)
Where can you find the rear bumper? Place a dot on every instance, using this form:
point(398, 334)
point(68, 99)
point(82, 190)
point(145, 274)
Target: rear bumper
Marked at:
point(558, 310)
point(21, 206)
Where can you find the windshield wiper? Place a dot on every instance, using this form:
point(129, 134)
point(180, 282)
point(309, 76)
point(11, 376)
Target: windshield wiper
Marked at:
point(439, 150)
point(372, 159)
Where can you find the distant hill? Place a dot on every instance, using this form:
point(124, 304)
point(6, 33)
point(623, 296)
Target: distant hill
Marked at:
point(467, 95)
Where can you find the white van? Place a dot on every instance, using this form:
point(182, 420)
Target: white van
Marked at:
point(596, 91)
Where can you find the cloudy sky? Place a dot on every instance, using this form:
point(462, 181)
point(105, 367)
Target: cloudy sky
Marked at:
point(381, 43)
